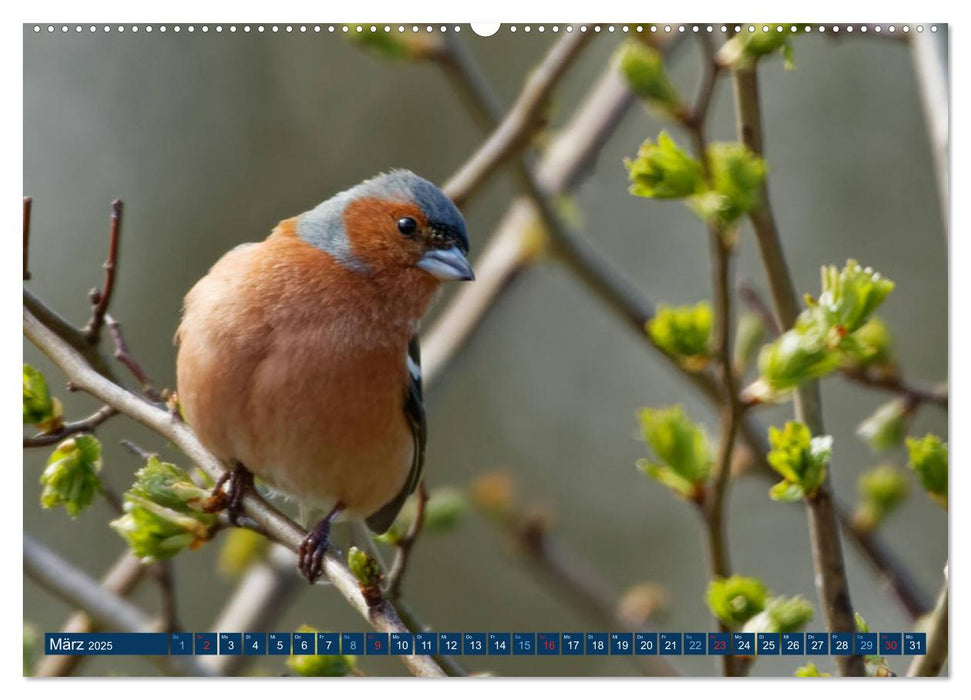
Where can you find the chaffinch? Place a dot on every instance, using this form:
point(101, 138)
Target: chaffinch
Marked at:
point(298, 356)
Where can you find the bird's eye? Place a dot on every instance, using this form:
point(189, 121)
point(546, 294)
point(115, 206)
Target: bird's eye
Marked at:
point(407, 226)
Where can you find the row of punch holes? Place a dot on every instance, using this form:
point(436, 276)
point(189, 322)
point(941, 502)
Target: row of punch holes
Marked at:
point(485, 31)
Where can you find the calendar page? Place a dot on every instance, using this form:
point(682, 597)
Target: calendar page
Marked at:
point(533, 349)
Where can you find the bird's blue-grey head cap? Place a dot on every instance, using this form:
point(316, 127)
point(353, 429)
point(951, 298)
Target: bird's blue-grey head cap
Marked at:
point(323, 226)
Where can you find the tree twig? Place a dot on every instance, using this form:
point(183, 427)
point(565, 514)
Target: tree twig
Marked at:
point(124, 356)
point(404, 546)
point(831, 578)
point(931, 66)
point(516, 128)
point(105, 608)
point(86, 425)
point(382, 616)
point(933, 661)
point(101, 298)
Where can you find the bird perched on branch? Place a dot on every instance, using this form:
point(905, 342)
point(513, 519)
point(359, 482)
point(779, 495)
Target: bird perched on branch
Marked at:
point(298, 356)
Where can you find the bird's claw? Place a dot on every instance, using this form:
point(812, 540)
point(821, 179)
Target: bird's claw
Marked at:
point(312, 550)
point(238, 481)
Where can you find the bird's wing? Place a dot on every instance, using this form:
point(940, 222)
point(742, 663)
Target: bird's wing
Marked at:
point(415, 413)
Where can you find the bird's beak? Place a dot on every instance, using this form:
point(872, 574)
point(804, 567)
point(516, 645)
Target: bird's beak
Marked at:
point(446, 264)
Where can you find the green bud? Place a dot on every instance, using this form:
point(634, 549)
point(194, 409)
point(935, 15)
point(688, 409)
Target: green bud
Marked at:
point(886, 428)
point(851, 295)
point(444, 511)
point(154, 532)
point(320, 665)
point(39, 408)
point(781, 614)
point(168, 486)
point(882, 489)
point(874, 664)
point(793, 358)
point(30, 648)
point(394, 46)
point(684, 456)
point(736, 175)
point(810, 671)
point(364, 567)
point(749, 336)
point(928, 458)
point(663, 170)
point(241, 548)
point(683, 332)
point(872, 345)
point(799, 458)
point(745, 48)
point(71, 477)
point(643, 67)
point(736, 599)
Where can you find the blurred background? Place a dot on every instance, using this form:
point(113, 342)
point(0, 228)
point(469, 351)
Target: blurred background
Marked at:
point(210, 139)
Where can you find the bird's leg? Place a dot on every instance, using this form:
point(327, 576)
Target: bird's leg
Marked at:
point(316, 543)
point(238, 481)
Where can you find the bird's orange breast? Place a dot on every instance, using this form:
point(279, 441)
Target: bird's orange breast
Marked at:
point(295, 366)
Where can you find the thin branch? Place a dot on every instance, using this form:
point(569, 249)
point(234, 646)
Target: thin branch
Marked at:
point(933, 661)
point(124, 356)
point(86, 425)
point(911, 393)
point(382, 616)
point(121, 579)
point(831, 578)
point(104, 607)
point(101, 298)
point(572, 579)
point(515, 130)
point(405, 545)
point(28, 205)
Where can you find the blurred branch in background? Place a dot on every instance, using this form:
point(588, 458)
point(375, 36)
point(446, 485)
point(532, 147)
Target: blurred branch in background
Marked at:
point(104, 607)
point(930, 65)
point(561, 571)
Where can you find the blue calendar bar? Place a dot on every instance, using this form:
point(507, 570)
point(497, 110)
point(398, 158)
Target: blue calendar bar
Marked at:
point(487, 643)
point(106, 644)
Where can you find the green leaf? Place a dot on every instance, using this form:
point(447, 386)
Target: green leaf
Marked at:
point(169, 486)
point(851, 295)
point(39, 408)
point(736, 599)
point(871, 346)
point(320, 665)
point(663, 170)
point(683, 332)
point(643, 68)
point(781, 614)
point(796, 357)
point(71, 476)
point(736, 175)
point(154, 532)
point(887, 427)
point(393, 46)
point(682, 450)
point(882, 489)
point(745, 48)
point(799, 458)
point(668, 477)
point(928, 459)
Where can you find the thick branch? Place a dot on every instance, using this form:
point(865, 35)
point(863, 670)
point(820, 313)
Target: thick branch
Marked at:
point(268, 520)
point(931, 66)
point(28, 205)
point(831, 578)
